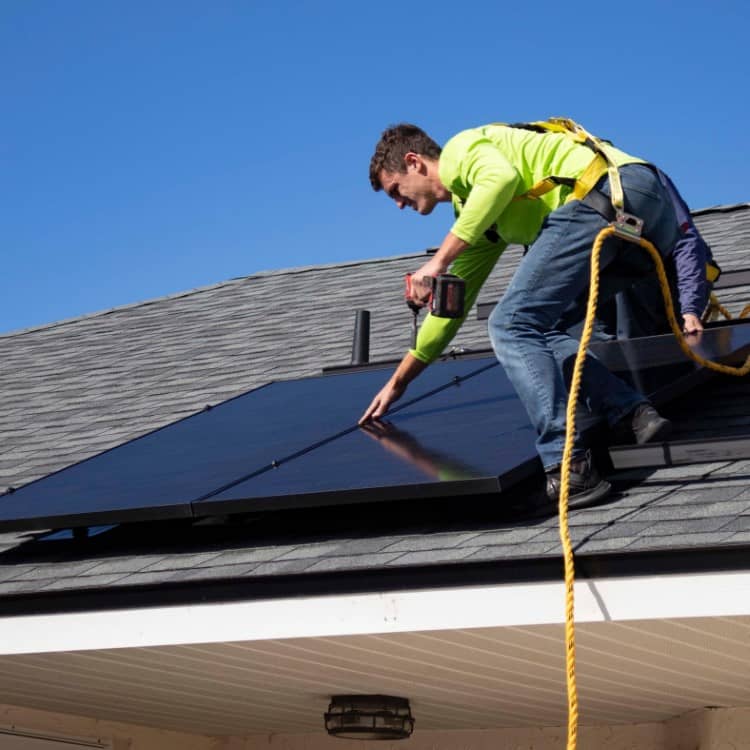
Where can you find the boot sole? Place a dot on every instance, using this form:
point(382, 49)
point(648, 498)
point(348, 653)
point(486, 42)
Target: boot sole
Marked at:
point(589, 497)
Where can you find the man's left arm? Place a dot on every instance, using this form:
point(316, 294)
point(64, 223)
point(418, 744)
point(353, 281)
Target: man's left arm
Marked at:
point(690, 255)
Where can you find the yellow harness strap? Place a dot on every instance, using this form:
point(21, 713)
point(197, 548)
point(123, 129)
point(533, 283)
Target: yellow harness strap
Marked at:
point(601, 163)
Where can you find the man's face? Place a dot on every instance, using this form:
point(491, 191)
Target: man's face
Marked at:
point(412, 189)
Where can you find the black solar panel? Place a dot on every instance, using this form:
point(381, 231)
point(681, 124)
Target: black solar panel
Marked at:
point(159, 475)
point(471, 437)
point(296, 443)
point(657, 366)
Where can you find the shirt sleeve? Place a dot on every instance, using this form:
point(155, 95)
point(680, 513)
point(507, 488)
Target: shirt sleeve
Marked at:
point(489, 182)
point(690, 255)
point(473, 266)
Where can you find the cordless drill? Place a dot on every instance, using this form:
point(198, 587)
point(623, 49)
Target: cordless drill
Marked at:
point(446, 298)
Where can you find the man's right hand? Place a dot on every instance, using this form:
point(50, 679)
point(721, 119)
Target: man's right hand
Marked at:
point(390, 392)
point(691, 323)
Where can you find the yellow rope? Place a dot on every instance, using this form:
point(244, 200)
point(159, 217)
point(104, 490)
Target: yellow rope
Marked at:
point(570, 641)
point(715, 307)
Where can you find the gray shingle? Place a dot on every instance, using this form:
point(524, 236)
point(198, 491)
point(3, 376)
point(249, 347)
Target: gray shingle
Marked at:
point(129, 564)
point(250, 555)
point(81, 582)
point(340, 564)
point(432, 541)
point(510, 536)
point(59, 570)
point(431, 556)
point(180, 562)
point(741, 523)
point(503, 551)
point(682, 541)
point(283, 567)
point(692, 511)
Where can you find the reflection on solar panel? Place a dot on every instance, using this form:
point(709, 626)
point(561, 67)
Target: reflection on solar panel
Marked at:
point(296, 443)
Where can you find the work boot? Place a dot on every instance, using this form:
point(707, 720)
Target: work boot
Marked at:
point(643, 425)
point(586, 487)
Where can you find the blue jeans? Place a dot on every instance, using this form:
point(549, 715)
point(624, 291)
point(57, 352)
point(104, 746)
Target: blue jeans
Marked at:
point(547, 296)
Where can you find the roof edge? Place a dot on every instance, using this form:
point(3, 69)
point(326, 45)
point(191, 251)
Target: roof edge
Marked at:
point(515, 571)
point(460, 607)
point(721, 209)
point(235, 281)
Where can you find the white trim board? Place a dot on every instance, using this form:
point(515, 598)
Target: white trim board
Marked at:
point(503, 605)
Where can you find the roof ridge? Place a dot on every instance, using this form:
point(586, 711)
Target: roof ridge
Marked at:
point(721, 209)
point(199, 290)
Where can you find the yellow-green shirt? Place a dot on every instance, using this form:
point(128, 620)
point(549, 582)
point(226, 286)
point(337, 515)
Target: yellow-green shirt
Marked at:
point(485, 169)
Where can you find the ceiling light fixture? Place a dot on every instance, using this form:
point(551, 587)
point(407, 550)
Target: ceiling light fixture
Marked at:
point(369, 717)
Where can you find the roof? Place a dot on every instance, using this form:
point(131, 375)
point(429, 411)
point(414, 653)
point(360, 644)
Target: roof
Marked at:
point(703, 507)
point(74, 388)
point(249, 625)
point(77, 387)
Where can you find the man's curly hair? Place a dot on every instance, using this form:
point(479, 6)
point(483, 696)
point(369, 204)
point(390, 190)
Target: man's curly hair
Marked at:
point(395, 142)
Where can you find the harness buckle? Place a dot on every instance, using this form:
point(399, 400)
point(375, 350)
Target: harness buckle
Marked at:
point(627, 226)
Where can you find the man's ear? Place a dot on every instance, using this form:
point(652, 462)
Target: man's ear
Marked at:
point(414, 161)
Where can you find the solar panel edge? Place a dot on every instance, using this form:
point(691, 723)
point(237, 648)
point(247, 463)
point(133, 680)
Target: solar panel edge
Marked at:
point(97, 518)
point(489, 486)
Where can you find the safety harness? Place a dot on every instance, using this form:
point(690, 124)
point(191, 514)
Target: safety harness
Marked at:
point(583, 188)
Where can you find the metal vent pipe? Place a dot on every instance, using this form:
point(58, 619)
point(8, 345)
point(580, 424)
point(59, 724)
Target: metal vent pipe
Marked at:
point(361, 341)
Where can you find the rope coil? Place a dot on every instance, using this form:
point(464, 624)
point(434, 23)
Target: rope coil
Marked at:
point(568, 558)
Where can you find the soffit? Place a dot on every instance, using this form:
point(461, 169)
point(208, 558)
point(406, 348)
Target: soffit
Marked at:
point(639, 671)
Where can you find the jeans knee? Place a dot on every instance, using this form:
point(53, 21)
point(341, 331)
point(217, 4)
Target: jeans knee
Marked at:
point(498, 324)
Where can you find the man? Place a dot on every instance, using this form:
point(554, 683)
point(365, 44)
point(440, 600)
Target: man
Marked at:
point(486, 172)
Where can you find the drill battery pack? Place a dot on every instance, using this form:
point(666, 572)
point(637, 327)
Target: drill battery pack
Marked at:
point(447, 294)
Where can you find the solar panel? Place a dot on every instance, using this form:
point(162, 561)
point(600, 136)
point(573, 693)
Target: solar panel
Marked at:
point(159, 475)
point(473, 437)
point(296, 443)
point(656, 365)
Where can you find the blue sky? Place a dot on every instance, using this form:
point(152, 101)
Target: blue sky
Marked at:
point(147, 148)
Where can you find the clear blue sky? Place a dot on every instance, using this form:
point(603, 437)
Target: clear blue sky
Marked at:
point(152, 147)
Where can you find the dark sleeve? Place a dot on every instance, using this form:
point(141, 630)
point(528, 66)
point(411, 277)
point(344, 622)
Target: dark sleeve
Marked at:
point(690, 255)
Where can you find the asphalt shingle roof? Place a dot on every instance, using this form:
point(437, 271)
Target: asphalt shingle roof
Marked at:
point(75, 388)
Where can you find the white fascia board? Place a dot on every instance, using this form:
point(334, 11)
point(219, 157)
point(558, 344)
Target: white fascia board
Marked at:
point(503, 605)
